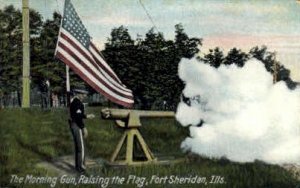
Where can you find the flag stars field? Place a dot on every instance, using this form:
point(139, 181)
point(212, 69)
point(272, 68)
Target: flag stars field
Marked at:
point(76, 50)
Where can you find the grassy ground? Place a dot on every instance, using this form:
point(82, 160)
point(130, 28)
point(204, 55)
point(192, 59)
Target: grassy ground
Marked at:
point(31, 136)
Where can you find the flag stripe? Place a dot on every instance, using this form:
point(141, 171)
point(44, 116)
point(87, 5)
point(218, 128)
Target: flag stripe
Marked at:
point(83, 62)
point(101, 55)
point(98, 59)
point(102, 63)
point(83, 51)
point(108, 75)
point(65, 35)
point(72, 64)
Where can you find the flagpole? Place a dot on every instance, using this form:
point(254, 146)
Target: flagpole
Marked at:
point(26, 55)
point(68, 88)
point(68, 85)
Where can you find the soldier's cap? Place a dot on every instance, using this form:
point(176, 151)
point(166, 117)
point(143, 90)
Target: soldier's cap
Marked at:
point(80, 91)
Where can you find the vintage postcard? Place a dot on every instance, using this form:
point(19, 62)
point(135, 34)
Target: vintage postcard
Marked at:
point(150, 93)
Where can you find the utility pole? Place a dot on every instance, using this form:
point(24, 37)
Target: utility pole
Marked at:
point(275, 71)
point(26, 55)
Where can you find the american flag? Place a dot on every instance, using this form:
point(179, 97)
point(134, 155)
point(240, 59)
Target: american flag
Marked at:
point(75, 48)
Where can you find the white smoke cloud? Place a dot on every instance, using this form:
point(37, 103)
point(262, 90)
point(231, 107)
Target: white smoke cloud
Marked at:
point(246, 116)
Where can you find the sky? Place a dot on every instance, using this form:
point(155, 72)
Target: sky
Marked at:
point(224, 23)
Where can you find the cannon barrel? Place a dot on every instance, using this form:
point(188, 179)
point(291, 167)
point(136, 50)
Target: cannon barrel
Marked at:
point(111, 113)
point(131, 118)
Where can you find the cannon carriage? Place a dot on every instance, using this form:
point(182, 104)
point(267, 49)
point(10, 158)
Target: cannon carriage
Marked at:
point(130, 120)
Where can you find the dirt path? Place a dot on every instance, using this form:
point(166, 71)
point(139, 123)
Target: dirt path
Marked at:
point(64, 165)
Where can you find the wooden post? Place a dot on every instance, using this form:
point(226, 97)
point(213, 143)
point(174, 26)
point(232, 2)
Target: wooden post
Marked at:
point(26, 55)
point(275, 69)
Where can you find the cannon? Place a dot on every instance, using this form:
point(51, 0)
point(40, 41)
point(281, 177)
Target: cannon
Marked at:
point(130, 120)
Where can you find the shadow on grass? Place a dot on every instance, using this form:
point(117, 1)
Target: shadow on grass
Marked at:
point(68, 168)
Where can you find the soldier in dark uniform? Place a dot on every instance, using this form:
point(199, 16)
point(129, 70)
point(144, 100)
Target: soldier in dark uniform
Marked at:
point(78, 128)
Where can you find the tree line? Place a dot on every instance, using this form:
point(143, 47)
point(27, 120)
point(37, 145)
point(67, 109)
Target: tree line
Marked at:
point(215, 57)
point(148, 64)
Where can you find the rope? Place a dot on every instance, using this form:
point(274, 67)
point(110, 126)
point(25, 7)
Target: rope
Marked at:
point(149, 16)
point(45, 45)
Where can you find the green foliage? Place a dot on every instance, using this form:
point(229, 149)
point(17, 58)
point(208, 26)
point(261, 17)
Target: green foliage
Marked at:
point(185, 46)
point(269, 60)
point(11, 45)
point(149, 66)
point(215, 57)
point(237, 57)
point(43, 65)
point(11, 49)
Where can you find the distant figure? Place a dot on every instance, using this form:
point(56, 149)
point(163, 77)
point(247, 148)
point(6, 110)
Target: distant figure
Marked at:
point(55, 102)
point(78, 128)
point(44, 88)
point(164, 105)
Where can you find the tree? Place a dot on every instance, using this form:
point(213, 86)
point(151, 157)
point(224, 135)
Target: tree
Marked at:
point(236, 56)
point(269, 60)
point(215, 57)
point(11, 47)
point(119, 53)
point(149, 66)
point(159, 65)
point(44, 65)
point(186, 47)
point(11, 51)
